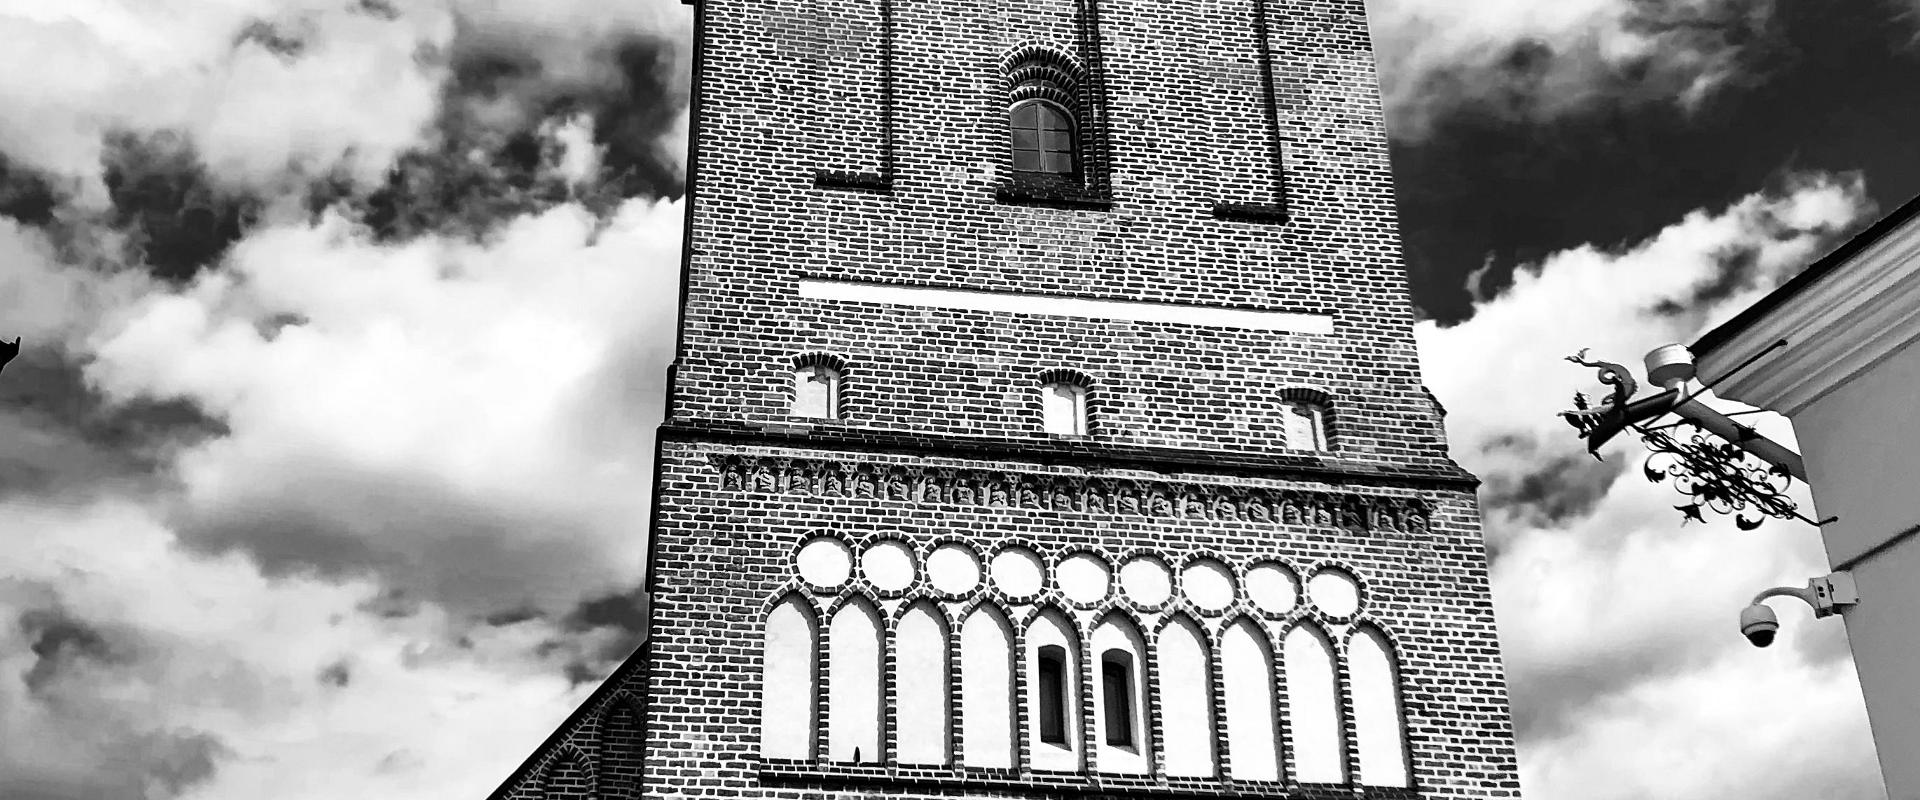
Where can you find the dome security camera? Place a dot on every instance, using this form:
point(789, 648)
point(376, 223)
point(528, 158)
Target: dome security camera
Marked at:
point(1758, 624)
point(1827, 595)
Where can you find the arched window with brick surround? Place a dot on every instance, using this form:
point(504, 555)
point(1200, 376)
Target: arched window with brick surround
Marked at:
point(818, 380)
point(1053, 150)
point(1186, 698)
point(1053, 692)
point(1307, 417)
point(1063, 402)
point(787, 686)
point(1313, 706)
point(1253, 733)
point(923, 684)
point(986, 690)
point(855, 705)
point(1377, 713)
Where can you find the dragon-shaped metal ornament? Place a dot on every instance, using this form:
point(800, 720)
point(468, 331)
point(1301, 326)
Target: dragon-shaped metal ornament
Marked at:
point(1715, 475)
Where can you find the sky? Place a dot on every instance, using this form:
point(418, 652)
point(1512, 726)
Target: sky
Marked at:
point(322, 466)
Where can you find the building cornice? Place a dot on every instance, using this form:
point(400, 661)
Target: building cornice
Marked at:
point(1435, 473)
point(1844, 314)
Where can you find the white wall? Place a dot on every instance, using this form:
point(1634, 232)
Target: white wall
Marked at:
point(922, 681)
point(853, 669)
point(786, 683)
point(986, 657)
point(1115, 633)
point(1861, 443)
point(1313, 700)
point(1052, 629)
point(1376, 710)
point(1252, 721)
point(1186, 699)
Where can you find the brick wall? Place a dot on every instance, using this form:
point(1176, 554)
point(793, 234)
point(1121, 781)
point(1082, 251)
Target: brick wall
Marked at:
point(1235, 157)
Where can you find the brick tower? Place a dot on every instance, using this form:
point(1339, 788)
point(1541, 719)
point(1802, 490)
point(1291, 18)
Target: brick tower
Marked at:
point(1046, 421)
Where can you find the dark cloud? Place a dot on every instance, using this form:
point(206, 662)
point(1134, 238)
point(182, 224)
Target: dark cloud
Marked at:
point(1822, 87)
point(62, 644)
point(1556, 482)
point(337, 674)
point(25, 195)
point(178, 222)
point(65, 441)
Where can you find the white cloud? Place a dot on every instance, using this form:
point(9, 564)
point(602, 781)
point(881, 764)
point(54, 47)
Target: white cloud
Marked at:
point(1538, 59)
point(470, 421)
point(1618, 624)
point(205, 672)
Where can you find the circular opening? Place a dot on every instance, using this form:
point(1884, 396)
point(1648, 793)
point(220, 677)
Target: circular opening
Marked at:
point(1272, 588)
point(825, 561)
point(953, 569)
point(1335, 593)
point(1017, 571)
point(888, 565)
point(1146, 581)
point(1085, 578)
point(1207, 584)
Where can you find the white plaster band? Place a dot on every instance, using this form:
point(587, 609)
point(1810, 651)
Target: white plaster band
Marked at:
point(1015, 303)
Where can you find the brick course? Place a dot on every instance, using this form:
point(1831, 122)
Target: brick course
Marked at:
point(1237, 158)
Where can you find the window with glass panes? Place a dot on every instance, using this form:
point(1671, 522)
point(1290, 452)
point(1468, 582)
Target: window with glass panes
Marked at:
point(1042, 138)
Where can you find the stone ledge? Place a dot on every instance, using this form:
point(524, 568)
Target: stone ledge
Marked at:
point(788, 772)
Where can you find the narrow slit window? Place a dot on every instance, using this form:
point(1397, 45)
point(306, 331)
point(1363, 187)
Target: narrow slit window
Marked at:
point(1116, 683)
point(1052, 695)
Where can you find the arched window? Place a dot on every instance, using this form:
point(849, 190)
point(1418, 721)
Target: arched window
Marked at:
point(1045, 101)
point(1053, 689)
point(1313, 702)
point(1253, 735)
point(1377, 714)
point(1063, 402)
point(787, 691)
point(1186, 699)
point(817, 379)
point(853, 678)
point(921, 676)
point(1043, 138)
point(1306, 415)
point(1120, 701)
point(986, 689)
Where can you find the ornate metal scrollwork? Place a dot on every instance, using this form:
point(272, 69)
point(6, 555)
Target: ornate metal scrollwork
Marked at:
point(1717, 476)
point(1714, 474)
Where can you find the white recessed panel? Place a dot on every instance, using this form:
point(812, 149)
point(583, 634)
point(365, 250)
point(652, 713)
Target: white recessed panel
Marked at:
point(1015, 303)
point(1207, 584)
point(1272, 588)
point(1084, 578)
point(1146, 581)
point(953, 569)
point(825, 562)
point(1335, 593)
point(1016, 571)
point(888, 565)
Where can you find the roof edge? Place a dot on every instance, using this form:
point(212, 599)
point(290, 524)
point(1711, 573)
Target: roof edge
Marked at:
point(1814, 273)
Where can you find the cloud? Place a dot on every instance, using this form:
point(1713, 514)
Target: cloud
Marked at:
point(1532, 60)
point(468, 420)
point(270, 95)
point(1617, 622)
point(154, 672)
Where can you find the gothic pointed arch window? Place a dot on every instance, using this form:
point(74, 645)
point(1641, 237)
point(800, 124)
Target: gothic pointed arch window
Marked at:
point(787, 681)
point(854, 688)
point(1379, 719)
point(1313, 706)
point(924, 686)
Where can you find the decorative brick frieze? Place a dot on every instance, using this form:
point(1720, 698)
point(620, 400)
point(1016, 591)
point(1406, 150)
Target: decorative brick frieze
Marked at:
point(1080, 493)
